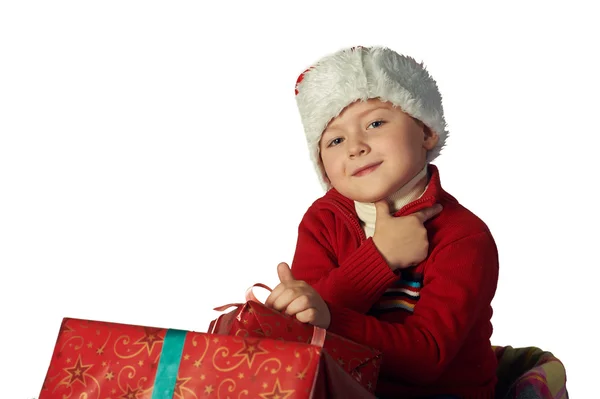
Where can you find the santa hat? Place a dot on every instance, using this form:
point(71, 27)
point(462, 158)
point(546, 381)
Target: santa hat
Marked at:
point(361, 73)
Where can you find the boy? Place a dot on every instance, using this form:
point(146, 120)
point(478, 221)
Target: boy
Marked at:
point(377, 259)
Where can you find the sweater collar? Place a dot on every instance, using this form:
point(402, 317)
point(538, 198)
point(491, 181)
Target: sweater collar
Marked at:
point(411, 191)
point(433, 194)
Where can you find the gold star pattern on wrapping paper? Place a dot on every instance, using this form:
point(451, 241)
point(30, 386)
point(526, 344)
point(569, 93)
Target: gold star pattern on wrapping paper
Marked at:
point(89, 345)
point(78, 372)
point(186, 357)
point(149, 339)
point(141, 363)
point(209, 389)
point(241, 376)
point(99, 351)
point(68, 360)
point(288, 369)
point(130, 393)
point(198, 363)
point(250, 350)
point(179, 386)
point(109, 376)
point(277, 392)
point(301, 375)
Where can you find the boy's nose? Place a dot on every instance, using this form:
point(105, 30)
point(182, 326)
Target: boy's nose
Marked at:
point(357, 148)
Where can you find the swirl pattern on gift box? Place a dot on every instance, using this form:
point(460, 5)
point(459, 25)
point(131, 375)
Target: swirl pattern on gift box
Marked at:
point(253, 319)
point(267, 369)
point(151, 338)
point(97, 360)
point(231, 387)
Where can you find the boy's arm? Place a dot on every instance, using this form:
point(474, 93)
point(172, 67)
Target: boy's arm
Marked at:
point(357, 283)
point(460, 284)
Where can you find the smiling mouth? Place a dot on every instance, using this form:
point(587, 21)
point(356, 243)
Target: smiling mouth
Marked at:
point(366, 170)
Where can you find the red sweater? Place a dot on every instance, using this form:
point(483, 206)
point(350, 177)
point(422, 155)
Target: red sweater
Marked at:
point(432, 322)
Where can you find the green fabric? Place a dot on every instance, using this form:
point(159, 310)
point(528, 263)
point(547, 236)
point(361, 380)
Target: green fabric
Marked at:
point(168, 365)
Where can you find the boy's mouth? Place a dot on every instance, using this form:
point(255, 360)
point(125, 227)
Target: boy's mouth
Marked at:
point(365, 170)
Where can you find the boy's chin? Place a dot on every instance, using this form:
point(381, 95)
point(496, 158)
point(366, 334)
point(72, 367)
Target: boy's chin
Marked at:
point(371, 197)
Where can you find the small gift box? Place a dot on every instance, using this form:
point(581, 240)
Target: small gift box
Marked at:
point(253, 319)
point(100, 360)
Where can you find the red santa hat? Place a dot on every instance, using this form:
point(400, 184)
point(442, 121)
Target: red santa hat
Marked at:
point(362, 73)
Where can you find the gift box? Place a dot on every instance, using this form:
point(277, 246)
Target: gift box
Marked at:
point(101, 360)
point(254, 319)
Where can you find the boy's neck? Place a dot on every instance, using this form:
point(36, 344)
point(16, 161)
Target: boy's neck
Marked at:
point(411, 191)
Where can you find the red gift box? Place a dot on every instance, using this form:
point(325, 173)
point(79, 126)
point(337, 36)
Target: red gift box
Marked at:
point(100, 360)
point(253, 319)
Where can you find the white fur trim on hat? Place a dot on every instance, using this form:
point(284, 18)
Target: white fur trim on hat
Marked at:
point(360, 73)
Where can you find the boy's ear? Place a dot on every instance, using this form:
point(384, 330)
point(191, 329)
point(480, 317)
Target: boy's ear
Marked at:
point(430, 138)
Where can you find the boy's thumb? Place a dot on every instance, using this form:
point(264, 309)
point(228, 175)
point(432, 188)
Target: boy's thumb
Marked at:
point(382, 209)
point(284, 272)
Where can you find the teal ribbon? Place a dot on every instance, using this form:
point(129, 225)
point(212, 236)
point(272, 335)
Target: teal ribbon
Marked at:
point(168, 365)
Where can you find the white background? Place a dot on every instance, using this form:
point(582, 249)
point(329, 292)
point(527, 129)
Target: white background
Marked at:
point(153, 164)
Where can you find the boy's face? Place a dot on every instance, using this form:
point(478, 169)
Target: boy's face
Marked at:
point(374, 134)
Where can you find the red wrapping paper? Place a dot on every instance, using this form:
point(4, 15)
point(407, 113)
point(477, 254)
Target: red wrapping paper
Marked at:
point(100, 360)
point(253, 319)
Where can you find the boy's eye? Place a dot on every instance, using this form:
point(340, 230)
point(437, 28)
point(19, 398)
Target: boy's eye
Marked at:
point(376, 124)
point(335, 142)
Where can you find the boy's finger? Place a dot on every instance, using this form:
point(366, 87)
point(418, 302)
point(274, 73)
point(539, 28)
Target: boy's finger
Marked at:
point(277, 291)
point(307, 315)
point(382, 209)
point(299, 304)
point(284, 299)
point(284, 272)
point(427, 213)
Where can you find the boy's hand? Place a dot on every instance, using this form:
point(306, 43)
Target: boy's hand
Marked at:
point(402, 241)
point(299, 299)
